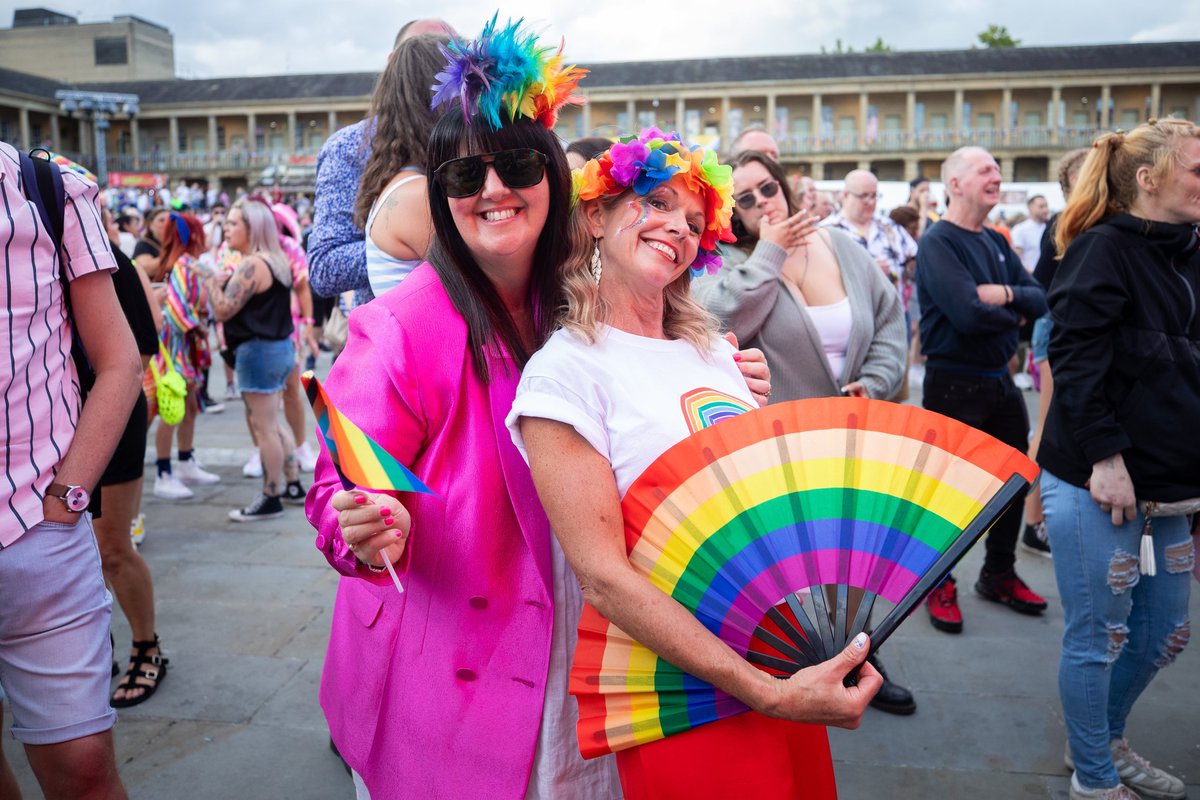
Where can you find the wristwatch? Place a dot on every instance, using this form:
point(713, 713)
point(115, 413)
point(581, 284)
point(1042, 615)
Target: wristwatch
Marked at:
point(76, 497)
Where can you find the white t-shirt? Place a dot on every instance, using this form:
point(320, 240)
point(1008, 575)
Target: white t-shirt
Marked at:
point(629, 396)
point(1027, 236)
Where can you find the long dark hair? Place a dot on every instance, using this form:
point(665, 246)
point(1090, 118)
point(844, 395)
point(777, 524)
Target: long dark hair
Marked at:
point(403, 120)
point(470, 290)
point(746, 240)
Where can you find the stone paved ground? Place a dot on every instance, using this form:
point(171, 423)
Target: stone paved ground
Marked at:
point(243, 612)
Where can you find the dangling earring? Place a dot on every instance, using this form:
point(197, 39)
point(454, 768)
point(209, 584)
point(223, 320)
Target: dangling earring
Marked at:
point(597, 267)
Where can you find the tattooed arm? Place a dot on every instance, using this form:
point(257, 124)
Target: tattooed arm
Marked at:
point(237, 292)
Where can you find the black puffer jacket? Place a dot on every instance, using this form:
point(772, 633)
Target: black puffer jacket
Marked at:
point(1125, 355)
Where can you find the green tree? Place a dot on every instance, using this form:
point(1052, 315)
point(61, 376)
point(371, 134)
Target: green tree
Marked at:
point(838, 48)
point(880, 46)
point(997, 36)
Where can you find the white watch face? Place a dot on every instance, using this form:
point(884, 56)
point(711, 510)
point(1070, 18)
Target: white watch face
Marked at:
point(77, 499)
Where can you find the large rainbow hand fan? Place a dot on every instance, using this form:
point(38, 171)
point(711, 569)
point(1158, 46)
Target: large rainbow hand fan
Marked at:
point(778, 528)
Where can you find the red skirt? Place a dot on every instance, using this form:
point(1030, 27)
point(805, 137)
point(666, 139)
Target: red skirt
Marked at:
point(748, 755)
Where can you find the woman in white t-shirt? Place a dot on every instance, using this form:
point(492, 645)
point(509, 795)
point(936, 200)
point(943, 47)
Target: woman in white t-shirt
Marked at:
point(600, 401)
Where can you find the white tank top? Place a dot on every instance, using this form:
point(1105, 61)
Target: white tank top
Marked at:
point(833, 326)
point(383, 270)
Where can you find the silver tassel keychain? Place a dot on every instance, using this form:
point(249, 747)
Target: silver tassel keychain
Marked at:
point(1146, 564)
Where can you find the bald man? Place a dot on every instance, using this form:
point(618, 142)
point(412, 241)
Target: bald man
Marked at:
point(889, 244)
point(974, 295)
point(757, 138)
point(337, 249)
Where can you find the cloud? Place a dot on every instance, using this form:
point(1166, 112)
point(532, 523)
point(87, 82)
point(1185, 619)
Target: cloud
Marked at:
point(238, 37)
point(1185, 26)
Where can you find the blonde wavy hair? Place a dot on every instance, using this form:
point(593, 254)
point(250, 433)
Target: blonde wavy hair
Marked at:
point(585, 310)
point(1107, 182)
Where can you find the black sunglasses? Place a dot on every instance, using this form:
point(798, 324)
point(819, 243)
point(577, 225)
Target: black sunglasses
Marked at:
point(519, 169)
point(746, 201)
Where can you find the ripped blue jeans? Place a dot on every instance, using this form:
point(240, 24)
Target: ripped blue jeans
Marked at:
point(1121, 626)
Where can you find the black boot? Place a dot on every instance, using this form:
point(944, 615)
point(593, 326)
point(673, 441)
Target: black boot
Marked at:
point(892, 697)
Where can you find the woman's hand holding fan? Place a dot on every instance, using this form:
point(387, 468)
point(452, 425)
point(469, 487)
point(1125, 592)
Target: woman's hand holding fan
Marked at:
point(374, 526)
point(818, 695)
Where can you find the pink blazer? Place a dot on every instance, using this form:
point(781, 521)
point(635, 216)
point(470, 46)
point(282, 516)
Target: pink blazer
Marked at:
point(437, 692)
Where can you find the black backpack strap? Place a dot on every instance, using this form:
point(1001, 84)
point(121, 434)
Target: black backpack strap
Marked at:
point(31, 184)
point(42, 182)
point(50, 187)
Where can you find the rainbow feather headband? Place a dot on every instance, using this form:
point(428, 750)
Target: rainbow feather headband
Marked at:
point(505, 73)
point(645, 162)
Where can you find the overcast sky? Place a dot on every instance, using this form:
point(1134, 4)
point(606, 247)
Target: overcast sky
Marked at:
point(271, 37)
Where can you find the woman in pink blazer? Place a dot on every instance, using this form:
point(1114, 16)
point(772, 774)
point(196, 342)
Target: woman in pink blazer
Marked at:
point(442, 691)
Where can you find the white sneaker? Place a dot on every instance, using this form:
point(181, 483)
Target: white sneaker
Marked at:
point(1118, 792)
point(1023, 381)
point(231, 393)
point(190, 471)
point(169, 487)
point(137, 530)
point(307, 457)
point(253, 467)
point(1136, 773)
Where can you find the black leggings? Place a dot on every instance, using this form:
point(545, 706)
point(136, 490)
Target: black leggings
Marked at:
point(996, 407)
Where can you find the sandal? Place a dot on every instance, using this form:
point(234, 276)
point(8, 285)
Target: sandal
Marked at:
point(143, 666)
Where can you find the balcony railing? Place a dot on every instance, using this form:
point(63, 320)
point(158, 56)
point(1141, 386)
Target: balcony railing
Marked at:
point(882, 142)
point(200, 162)
point(939, 140)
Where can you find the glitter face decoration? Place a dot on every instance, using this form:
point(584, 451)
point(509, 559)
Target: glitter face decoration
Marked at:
point(641, 212)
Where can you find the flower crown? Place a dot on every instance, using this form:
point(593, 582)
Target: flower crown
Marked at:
point(505, 73)
point(645, 162)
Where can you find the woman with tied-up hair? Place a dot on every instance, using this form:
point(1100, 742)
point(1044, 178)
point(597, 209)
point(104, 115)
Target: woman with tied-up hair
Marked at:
point(1120, 451)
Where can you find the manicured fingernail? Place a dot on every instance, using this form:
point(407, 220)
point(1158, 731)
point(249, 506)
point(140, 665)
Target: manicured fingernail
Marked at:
point(399, 534)
point(388, 521)
point(358, 498)
point(860, 641)
point(737, 356)
point(383, 512)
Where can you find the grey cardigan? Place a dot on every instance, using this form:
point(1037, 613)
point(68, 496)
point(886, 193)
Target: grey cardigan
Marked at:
point(749, 298)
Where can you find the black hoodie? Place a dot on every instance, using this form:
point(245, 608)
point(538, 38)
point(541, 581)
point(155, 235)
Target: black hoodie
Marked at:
point(1125, 355)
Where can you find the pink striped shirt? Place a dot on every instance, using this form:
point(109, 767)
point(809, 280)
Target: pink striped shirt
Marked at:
point(39, 387)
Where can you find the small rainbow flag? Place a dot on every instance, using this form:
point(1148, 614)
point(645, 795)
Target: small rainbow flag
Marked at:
point(359, 460)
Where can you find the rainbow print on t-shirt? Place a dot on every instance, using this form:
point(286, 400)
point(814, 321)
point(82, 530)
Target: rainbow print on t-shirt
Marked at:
point(703, 408)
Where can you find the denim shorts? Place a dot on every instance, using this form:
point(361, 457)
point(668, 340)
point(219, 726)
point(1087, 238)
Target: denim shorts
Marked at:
point(1040, 340)
point(56, 658)
point(263, 365)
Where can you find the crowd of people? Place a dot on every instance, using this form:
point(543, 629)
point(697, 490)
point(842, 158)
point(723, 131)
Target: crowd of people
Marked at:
point(520, 318)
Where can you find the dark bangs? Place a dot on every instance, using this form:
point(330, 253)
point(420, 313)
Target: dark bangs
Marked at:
point(469, 289)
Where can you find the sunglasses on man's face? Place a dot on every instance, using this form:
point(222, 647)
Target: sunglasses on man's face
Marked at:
point(519, 169)
point(746, 201)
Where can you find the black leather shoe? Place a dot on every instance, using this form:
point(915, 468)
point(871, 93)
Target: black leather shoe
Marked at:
point(892, 697)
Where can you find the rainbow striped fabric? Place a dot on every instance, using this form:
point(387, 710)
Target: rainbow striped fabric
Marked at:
point(737, 518)
point(360, 461)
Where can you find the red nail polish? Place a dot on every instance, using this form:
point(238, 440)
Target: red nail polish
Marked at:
point(383, 512)
point(388, 521)
point(399, 534)
point(737, 356)
point(358, 498)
